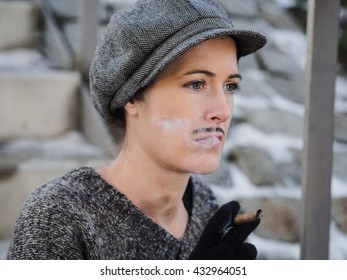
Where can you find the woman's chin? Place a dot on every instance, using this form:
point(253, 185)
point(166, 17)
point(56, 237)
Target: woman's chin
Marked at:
point(206, 168)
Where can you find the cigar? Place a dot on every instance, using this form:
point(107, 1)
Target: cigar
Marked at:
point(248, 217)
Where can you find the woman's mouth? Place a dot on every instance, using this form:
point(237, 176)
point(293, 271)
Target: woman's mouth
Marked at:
point(210, 140)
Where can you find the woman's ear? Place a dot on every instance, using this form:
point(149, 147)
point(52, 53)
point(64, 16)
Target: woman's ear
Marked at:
point(131, 107)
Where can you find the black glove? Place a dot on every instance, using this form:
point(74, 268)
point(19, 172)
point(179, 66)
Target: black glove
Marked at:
point(221, 240)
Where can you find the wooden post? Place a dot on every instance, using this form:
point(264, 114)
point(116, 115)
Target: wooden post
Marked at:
point(322, 35)
point(88, 18)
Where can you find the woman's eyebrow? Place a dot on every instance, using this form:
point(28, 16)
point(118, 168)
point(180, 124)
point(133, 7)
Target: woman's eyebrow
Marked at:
point(211, 74)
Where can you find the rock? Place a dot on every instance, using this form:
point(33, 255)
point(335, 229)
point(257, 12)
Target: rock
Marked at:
point(341, 127)
point(279, 64)
point(244, 8)
point(339, 211)
point(221, 177)
point(340, 165)
point(256, 164)
point(280, 220)
point(275, 15)
point(291, 88)
point(275, 121)
point(285, 75)
point(251, 88)
point(291, 172)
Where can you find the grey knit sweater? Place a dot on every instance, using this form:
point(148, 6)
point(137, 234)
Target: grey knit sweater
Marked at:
point(80, 216)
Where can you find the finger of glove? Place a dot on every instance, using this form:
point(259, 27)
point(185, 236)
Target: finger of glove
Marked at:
point(235, 237)
point(218, 224)
point(246, 251)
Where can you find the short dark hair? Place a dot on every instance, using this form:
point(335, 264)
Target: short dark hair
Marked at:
point(119, 127)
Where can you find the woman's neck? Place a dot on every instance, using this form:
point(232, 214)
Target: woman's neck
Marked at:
point(155, 190)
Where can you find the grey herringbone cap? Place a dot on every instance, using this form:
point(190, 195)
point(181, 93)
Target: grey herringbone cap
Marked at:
point(140, 41)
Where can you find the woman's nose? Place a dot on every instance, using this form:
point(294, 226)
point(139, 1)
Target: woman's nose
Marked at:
point(220, 106)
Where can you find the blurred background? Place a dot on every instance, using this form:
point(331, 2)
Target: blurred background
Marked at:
point(48, 125)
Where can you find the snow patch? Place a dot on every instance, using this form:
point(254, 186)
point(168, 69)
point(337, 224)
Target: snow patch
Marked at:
point(22, 59)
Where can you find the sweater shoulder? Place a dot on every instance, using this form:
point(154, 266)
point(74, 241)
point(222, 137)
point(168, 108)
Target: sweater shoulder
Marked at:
point(67, 195)
point(52, 218)
point(74, 184)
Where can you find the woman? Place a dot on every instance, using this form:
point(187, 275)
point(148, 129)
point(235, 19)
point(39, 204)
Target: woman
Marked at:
point(164, 73)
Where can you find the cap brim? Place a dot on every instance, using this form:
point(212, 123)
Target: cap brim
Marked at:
point(247, 43)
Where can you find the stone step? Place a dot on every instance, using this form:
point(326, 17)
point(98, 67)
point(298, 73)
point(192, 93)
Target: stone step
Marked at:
point(21, 18)
point(26, 164)
point(41, 104)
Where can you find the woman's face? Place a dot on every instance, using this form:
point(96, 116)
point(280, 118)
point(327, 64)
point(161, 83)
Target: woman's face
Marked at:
point(183, 121)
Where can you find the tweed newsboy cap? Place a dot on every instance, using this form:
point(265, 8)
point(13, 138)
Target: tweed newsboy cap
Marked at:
point(140, 41)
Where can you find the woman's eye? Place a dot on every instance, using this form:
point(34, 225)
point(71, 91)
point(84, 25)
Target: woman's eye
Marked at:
point(196, 85)
point(232, 87)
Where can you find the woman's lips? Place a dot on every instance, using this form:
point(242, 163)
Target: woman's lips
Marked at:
point(210, 141)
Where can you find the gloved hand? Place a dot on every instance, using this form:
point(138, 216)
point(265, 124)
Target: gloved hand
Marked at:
point(221, 240)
